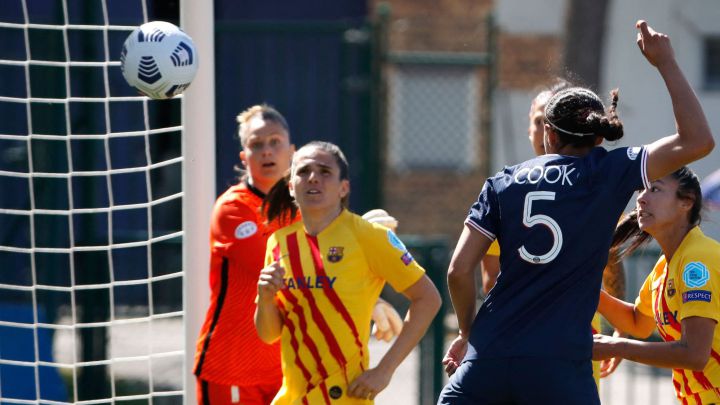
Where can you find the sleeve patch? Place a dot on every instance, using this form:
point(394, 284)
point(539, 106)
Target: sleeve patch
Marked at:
point(695, 275)
point(632, 153)
point(246, 230)
point(395, 241)
point(406, 258)
point(697, 295)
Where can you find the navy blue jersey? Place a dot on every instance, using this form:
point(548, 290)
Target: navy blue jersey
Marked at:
point(554, 217)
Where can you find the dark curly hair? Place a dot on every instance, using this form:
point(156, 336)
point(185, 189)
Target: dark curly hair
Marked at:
point(579, 116)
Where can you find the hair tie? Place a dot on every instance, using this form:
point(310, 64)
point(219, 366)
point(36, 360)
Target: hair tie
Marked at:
point(566, 131)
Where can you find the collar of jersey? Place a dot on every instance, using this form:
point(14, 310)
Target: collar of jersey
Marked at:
point(254, 189)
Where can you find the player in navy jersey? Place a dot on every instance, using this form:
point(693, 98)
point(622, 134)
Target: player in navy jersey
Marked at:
point(554, 216)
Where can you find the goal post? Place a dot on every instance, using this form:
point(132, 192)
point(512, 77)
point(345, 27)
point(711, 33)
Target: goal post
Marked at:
point(197, 19)
point(104, 210)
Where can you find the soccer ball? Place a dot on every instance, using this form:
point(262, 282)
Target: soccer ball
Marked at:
point(159, 60)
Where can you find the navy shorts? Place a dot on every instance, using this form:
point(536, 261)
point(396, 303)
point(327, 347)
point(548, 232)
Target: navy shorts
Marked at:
point(521, 381)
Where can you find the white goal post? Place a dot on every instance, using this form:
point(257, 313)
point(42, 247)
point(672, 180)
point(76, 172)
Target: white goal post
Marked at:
point(197, 19)
point(94, 180)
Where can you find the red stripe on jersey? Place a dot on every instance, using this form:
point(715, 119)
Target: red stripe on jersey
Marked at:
point(678, 390)
point(276, 252)
point(702, 379)
point(697, 398)
point(715, 356)
point(294, 343)
point(323, 389)
point(673, 322)
point(333, 297)
point(307, 340)
point(296, 264)
point(686, 383)
point(657, 310)
point(677, 385)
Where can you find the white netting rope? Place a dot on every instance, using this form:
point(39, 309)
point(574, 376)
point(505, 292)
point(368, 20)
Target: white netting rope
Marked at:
point(71, 323)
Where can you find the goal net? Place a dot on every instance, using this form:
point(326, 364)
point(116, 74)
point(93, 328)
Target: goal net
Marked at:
point(92, 200)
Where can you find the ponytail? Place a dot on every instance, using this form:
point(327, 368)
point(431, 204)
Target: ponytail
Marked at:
point(279, 204)
point(627, 238)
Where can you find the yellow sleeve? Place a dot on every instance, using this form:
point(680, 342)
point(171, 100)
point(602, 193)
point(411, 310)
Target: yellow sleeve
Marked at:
point(270, 247)
point(494, 249)
point(388, 257)
point(643, 302)
point(699, 288)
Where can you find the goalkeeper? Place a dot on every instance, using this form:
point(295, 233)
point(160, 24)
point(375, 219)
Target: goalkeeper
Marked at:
point(232, 364)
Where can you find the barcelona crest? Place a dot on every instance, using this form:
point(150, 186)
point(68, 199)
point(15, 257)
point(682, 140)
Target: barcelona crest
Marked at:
point(335, 254)
point(671, 287)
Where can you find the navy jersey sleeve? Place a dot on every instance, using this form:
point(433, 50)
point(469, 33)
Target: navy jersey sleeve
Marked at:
point(629, 167)
point(484, 214)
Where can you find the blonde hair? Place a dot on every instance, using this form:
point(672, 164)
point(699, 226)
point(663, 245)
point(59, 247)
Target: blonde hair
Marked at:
point(267, 113)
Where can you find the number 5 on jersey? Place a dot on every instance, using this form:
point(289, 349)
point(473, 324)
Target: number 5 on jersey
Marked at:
point(530, 220)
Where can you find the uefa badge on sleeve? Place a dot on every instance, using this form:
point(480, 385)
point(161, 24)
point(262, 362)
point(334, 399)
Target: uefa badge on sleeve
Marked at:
point(395, 241)
point(695, 275)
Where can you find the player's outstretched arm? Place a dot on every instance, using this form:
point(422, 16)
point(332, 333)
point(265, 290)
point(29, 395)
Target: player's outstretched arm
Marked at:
point(691, 352)
point(268, 320)
point(424, 304)
point(614, 280)
point(614, 284)
point(625, 316)
point(693, 139)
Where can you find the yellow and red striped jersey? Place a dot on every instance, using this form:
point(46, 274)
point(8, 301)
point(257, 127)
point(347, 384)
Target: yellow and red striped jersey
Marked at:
point(687, 286)
point(332, 281)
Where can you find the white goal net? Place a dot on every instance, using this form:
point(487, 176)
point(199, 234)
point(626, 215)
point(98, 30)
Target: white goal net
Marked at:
point(92, 193)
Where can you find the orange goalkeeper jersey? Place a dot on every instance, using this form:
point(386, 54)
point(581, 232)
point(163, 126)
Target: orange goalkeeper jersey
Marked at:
point(228, 350)
point(687, 286)
point(332, 282)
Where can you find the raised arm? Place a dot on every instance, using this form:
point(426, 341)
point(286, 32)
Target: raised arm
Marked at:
point(693, 139)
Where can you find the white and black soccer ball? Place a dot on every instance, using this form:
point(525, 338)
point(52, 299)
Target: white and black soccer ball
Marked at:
point(159, 60)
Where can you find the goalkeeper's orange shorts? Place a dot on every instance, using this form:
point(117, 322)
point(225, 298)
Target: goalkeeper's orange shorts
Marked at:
point(209, 393)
